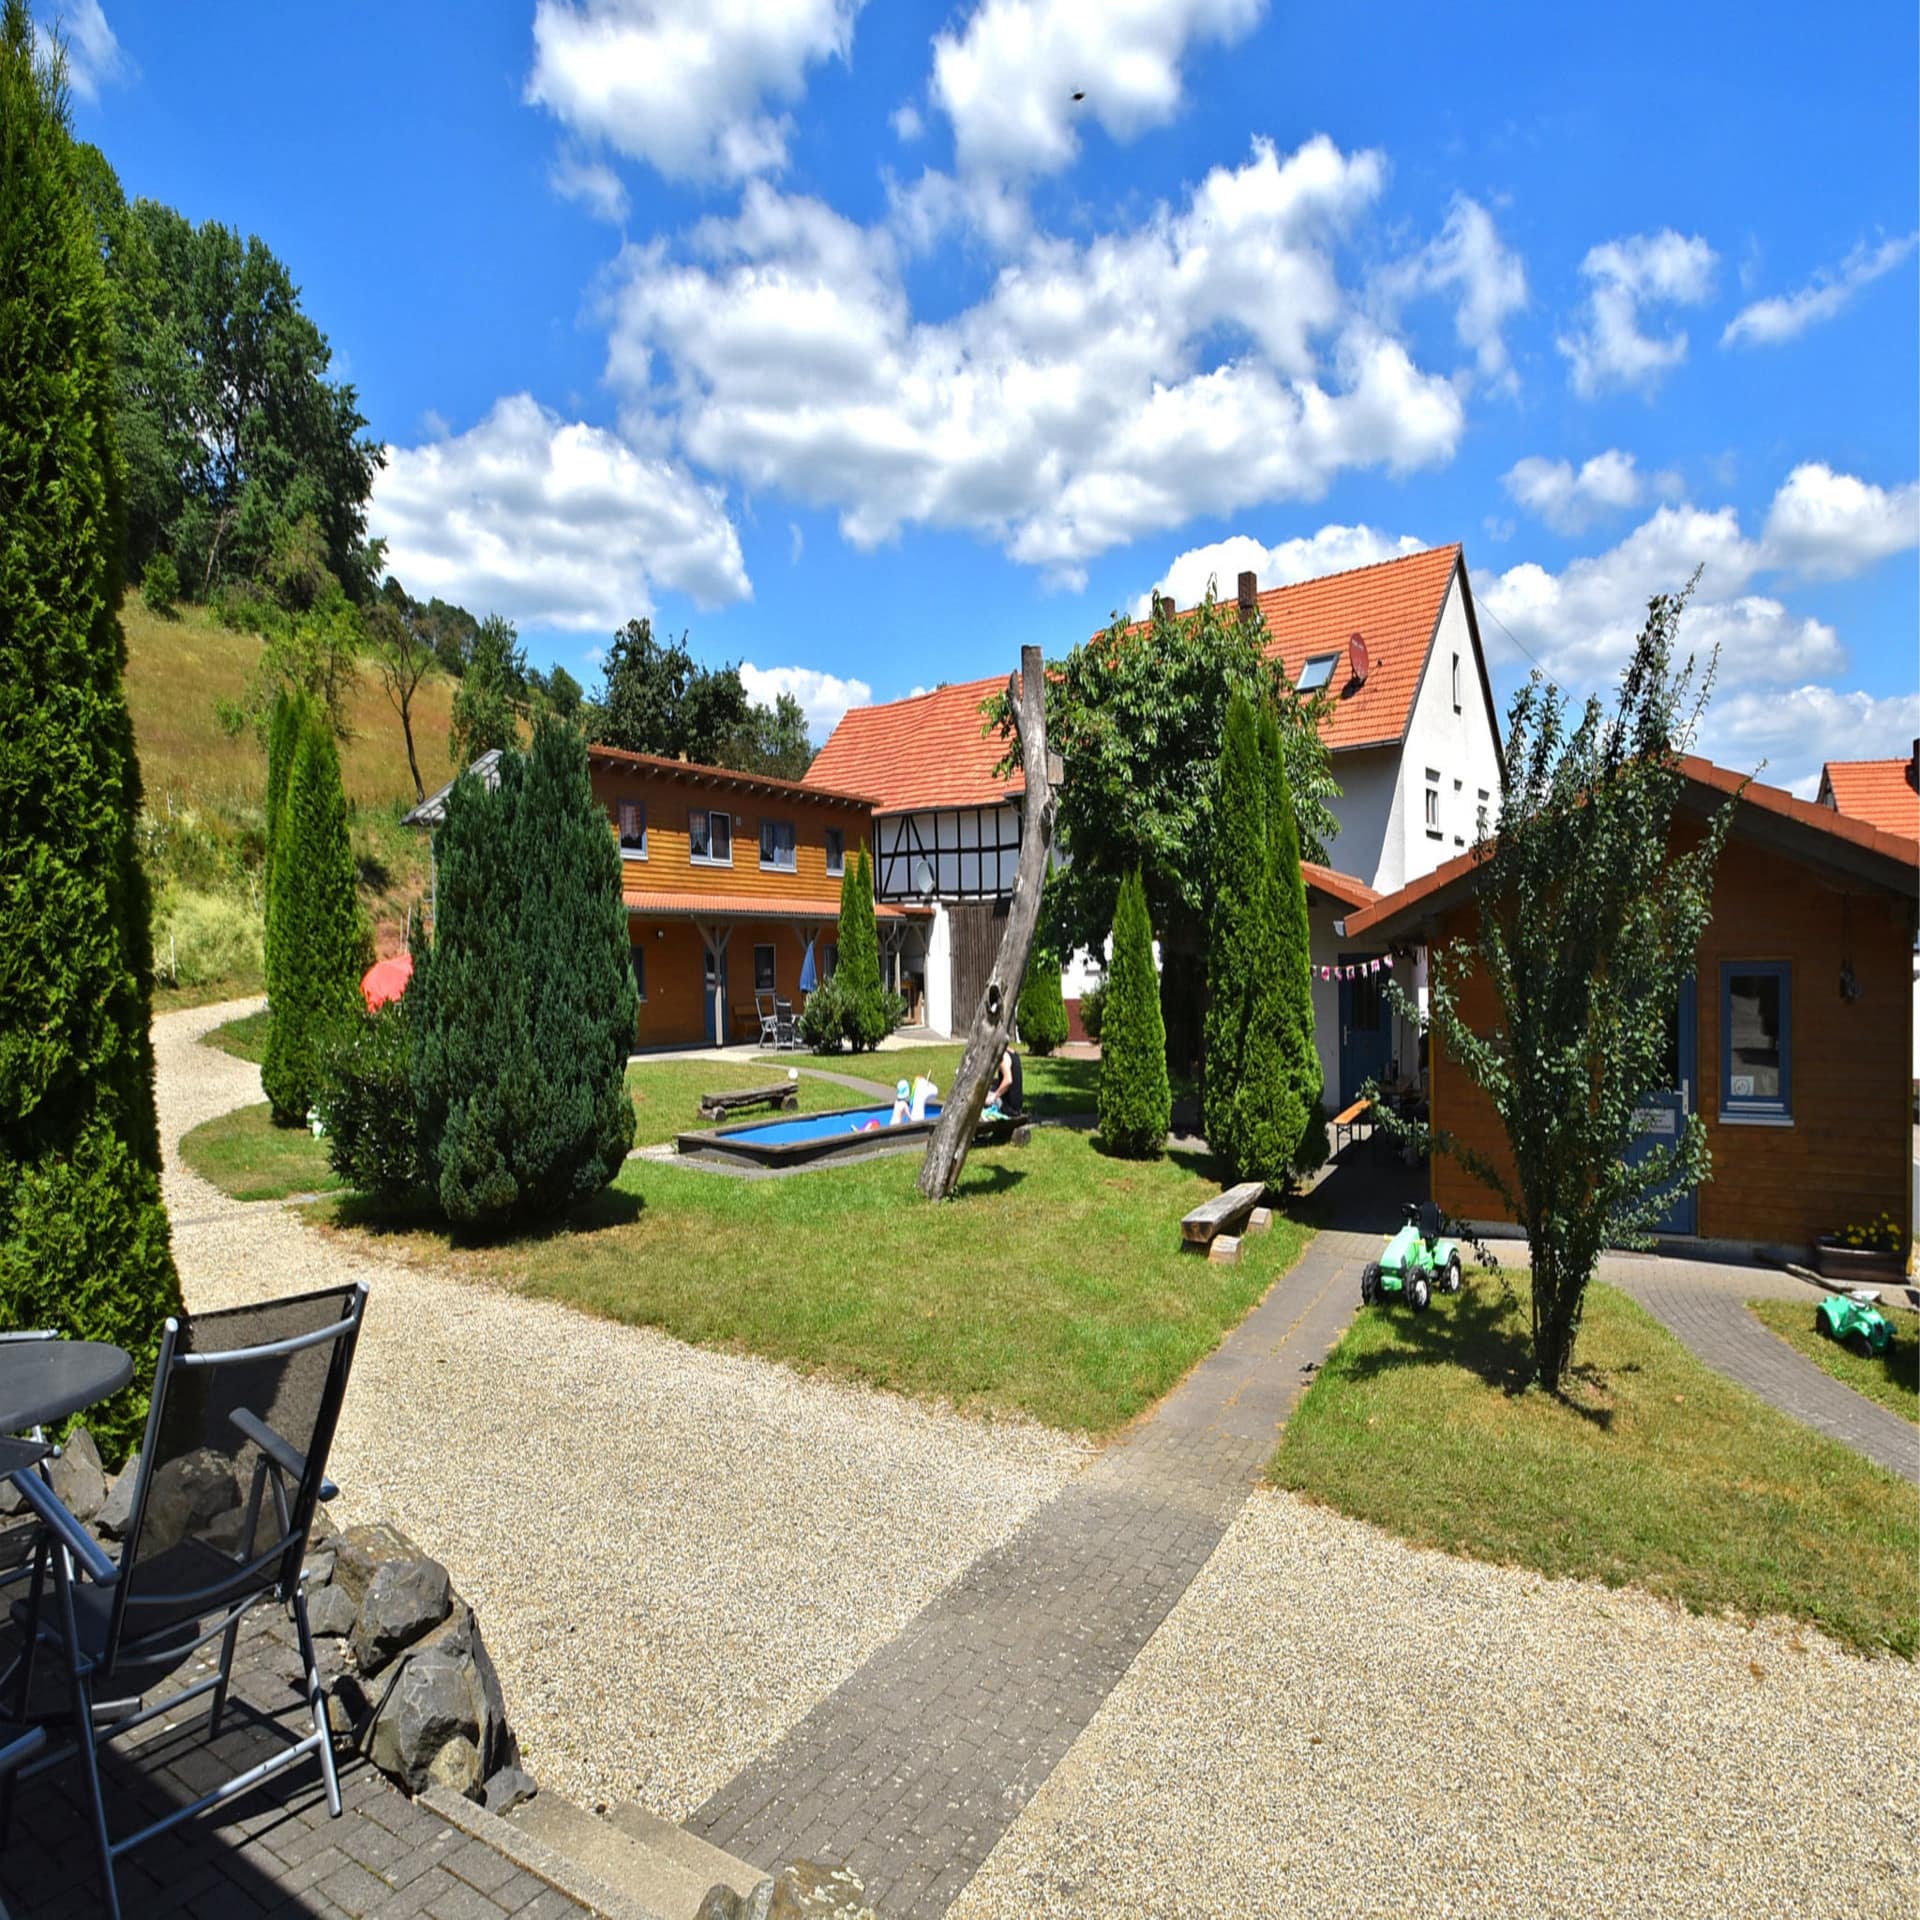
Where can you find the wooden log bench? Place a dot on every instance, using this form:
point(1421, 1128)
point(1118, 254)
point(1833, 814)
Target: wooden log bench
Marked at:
point(1214, 1226)
point(1349, 1121)
point(783, 1094)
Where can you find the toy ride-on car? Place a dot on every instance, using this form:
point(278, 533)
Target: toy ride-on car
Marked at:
point(1854, 1320)
point(1418, 1261)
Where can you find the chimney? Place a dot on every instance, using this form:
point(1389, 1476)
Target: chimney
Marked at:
point(1249, 595)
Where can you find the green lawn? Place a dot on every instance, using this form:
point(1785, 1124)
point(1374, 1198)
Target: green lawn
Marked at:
point(666, 1093)
point(1654, 1471)
point(244, 1038)
point(248, 1158)
point(1055, 1085)
point(1892, 1378)
point(1053, 1285)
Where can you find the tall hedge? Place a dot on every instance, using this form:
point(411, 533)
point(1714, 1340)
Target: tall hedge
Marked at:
point(857, 977)
point(1135, 1101)
point(1299, 1056)
point(523, 1008)
point(283, 736)
point(316, 933)
point(83, 1234)
point(1041, 1012)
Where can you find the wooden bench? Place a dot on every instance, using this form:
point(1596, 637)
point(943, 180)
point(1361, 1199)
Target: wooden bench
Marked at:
point(1349, 1122)
point(784, 1094)
point(1209, 1228)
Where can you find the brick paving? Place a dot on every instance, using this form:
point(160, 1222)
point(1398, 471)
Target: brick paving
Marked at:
point(273, 1851)
point(915, 1766)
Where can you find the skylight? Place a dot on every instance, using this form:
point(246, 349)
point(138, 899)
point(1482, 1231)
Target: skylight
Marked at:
point(1317, 672)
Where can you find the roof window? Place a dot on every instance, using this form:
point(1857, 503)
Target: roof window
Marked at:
point(1317, 672)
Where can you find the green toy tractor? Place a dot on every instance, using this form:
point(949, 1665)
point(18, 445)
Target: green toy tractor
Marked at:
point(1853, 1320)
point(1416, 1263)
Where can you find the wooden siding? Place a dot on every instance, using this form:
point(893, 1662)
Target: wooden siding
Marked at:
point(976, 929)
point(1847, 1155)
point(674, 1011)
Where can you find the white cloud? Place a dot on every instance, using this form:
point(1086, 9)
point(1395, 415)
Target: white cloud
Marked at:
point(907, 124)
point(1332, 549)
point(1019, 75)
point(554, 523)
point(823, 697)
point(1469, 260)
point(1795, 730)
point(593, 183)
point(1201, 362)
point(1827, 524)
point(95, 57)
point(1646, 269)
point(684, 84)
point(1787, 316)
point(1570, 500)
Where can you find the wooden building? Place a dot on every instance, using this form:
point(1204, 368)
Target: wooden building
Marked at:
point(1792, 1042)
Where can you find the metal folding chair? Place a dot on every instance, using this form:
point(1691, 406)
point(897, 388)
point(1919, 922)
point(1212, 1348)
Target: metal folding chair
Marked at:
point(786, 1028)
point(768, 1010)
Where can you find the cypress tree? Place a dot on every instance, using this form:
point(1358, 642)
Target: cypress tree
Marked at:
point(1299, 1057)
point(858, 975)
point(1135, 1101)
point(83, 1233)
point(283, 735)
point(1041, 1015)
point(318, 935)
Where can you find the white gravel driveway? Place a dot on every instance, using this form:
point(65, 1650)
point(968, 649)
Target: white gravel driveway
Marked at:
point(674, 1554)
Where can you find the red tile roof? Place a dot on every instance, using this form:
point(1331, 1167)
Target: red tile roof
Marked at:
point(697, 774)
point(933, 750)
point(1881, 792)
point(745, 906)
point(1338, 886)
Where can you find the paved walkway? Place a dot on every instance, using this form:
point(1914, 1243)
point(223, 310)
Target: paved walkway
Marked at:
point(914, 1768)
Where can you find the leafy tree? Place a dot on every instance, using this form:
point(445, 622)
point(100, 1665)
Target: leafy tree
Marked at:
point(1134, 1099)
point(317, 936)
point(83, 1233)
point(523, 1008)
point(491, 694)
point(1041, 1013)
point(403, 657)
point(773, 741)
point(655, 698)
point(1589, 918)
point(315, 652)
point(857, 977)
point(160, 585)
point(558, 690)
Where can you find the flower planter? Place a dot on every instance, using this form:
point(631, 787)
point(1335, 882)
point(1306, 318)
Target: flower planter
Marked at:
point(1856, 1265)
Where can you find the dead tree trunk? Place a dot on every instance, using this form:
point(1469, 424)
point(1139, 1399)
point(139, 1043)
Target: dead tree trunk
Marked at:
point(993, 1020)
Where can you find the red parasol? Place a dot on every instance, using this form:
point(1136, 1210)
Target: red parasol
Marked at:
point(386, 980)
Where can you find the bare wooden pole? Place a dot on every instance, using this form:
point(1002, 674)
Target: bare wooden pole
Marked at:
point(993, 1019)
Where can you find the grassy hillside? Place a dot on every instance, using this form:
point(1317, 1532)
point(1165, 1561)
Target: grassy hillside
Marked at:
point(203, 834)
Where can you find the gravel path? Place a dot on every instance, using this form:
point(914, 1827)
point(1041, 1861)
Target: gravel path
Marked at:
point(1331, 1722)
point(674, 1554)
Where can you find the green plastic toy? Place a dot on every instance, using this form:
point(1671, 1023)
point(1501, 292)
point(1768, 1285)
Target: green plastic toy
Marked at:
point(1417, 1262)
point(1855, 1322)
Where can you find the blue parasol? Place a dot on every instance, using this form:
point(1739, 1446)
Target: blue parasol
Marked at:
point(809, 979)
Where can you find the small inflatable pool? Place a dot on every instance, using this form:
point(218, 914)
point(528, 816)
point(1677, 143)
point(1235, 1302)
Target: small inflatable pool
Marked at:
point(808, 1139)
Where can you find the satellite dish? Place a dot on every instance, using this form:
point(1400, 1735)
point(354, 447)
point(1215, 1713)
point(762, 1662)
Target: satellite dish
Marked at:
point(1357, 657)
point(923, 876)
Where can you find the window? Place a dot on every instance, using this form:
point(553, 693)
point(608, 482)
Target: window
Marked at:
point(1458, 787)
point(1756, 1034)
point(1433, 803)
point(776, 844)
point(1317, 673)
point(638, 955)
point(1456, 683)
point(1480, 810)
point(763, 969)
point(829, 959)
point(633, 830)
point(710, 837)
point(836, 850)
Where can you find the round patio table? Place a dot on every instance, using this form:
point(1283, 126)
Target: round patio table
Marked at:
point(43, 1381)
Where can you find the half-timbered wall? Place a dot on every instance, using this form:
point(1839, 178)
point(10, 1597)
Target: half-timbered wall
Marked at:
point(970, 853)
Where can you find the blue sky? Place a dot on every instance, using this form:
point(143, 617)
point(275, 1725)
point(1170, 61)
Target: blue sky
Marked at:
point(849, 339)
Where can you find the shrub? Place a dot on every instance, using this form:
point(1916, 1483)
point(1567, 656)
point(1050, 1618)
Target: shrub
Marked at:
point(858, 974)
point(366, 1101)
point(1041, 1014)
point(200, 938)
point(83, 1233)
point(1093, 1007)
point(1135, 1101)
point(160, 584)
point(1311, 1154)
point(823, 1020)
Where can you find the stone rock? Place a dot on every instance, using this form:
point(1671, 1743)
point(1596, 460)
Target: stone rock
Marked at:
point(457, 1765)
point(348, 1706)
point(508, 1788)
point(116, 1512)
point(78, 1478)
point(431, 1703)
point(404, 1600)
point(361, 1552)
point(318, 1567)
point(805, 1890)
point(330, 1614)
point(722, 1903)
point(322, 1528)
point(186, 1496)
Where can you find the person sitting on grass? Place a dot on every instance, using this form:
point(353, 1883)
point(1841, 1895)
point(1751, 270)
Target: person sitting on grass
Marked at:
point(1004, 1095)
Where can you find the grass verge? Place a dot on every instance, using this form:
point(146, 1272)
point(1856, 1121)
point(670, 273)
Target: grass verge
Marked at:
point(244, 1038)
point(1052, 1286)
point(1653, 1471)
point(1892, 1378)
point(248, 1158)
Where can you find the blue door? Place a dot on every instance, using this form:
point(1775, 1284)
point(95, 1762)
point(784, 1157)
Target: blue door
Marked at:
point(716, 985)
point(1662, 1113)
point(1366, 1031)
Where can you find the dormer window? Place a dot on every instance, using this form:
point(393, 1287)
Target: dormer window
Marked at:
point(1317, 673)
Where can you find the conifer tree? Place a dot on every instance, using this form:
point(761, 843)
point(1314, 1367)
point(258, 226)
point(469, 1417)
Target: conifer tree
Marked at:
point(283, 735)
point(83, 1233)
point(1041, 1015)
point(1299, 1075)
point(1135, 1101)
point(317, 932)
point(857, 977)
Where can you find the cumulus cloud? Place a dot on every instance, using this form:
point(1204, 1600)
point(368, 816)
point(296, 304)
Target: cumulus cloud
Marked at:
point(684, 85)
point(1795, 730)
point(1643, 270)
point(1017, 77)
point(823, 697)
point(1786, 316)
point(593, 183)
point(1469, 261)
point(1569, 499)
point(906, 123)
point(554, 523)
point(95, 58)
point(1824, 524)
point(1332, 549)
point(1200, 362)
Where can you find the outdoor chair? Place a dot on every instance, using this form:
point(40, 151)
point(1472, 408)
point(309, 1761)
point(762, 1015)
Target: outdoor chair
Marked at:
point(786, 1029)
point(764, 1005)
point(232, 1469)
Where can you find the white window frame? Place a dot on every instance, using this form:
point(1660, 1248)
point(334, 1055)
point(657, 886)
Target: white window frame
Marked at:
point(709, 858)
point(1433, 804)
point(620, 829)
point(836, 863)
point(1456, 683)
point(1327, 660)
point(776, 865)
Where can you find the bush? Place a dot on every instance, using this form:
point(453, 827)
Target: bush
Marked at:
point(1041, 1014)
point(366, 1103)
point(1311, 1154)
point(160, 584)
point(823, 1020)
point(1093, 1007)
point(200, 938)
point(1135, 1101)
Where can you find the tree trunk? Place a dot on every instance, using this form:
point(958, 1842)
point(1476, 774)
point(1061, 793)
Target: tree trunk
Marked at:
point(413, 763)
point(993, 1020)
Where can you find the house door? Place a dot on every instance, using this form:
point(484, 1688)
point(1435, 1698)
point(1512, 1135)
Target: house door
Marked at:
point(716, 985)
point(1366, 1034)
point(1662, 1113)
